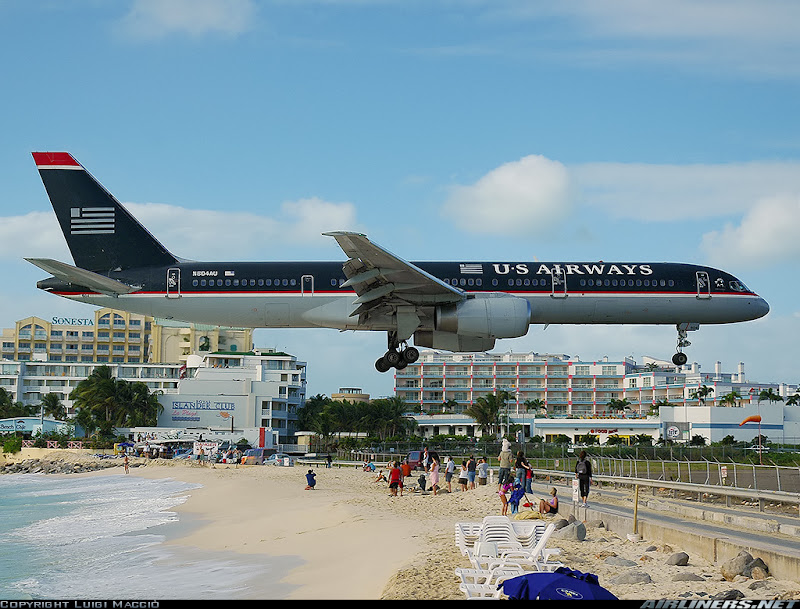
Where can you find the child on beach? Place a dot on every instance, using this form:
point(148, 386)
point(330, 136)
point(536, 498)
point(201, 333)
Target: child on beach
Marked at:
point(311, 480)
point(395, 480)
point(504, 488)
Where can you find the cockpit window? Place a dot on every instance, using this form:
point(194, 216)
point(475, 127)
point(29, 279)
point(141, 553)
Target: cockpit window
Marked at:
point(738, 286)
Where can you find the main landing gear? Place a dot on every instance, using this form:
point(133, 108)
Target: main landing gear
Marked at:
point(396, 357)
point(680, 358)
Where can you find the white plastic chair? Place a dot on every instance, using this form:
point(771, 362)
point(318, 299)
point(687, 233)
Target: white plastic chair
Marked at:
point(536, 559)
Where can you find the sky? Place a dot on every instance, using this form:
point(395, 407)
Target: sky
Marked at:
point(616, 130)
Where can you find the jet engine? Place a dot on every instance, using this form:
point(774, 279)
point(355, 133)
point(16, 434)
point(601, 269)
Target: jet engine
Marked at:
point(494, 315)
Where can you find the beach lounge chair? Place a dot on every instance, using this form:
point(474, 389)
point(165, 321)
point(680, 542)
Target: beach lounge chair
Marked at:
point(481, 592)
point(536, 559)
point(488, 577)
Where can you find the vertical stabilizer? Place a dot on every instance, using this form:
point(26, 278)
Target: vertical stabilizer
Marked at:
point(101, 234)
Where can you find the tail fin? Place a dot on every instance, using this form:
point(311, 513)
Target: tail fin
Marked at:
point(101, 234)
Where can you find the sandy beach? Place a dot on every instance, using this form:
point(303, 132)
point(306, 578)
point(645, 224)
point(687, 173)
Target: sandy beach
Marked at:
point(357, 542)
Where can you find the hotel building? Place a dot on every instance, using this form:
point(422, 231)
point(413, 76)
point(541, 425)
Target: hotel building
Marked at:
point(555, 395)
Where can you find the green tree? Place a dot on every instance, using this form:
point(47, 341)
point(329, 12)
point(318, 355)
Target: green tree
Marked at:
point(103, 402)
point(9, 408)
point(485, 411)
point(793, 400)
point(536, 405)
point(769, 395)
point(52, 406)
point(697, 440)
point(701, 393)
point(731, 398)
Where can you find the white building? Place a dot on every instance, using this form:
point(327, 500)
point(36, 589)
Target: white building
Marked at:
point(554, 395)
point(29, 381)
point(233, 390)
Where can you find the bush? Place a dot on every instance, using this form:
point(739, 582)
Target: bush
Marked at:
point(12, 444)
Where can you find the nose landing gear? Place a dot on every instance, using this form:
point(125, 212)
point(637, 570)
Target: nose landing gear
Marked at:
point(680, 358)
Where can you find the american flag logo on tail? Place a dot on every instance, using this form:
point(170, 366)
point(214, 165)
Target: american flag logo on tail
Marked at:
point(471, 269)
point(91, 221)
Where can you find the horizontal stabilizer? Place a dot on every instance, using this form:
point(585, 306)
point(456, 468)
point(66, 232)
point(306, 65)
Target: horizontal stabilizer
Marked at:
point(82, 277)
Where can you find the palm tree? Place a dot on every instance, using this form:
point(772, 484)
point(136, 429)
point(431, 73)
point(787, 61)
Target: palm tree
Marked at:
point(450, 406)
point(535, 404)
point(701, 393)
point(793, 400)
point(52, 406)
point(486, 411)
point(769, 395)
point(731, 399)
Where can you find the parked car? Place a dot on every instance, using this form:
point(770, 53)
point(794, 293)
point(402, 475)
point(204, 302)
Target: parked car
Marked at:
point(279, 459)
point(255, 456)
point(415, 459)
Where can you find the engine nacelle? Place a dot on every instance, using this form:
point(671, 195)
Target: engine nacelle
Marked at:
point(448, 341)
point(494, 315)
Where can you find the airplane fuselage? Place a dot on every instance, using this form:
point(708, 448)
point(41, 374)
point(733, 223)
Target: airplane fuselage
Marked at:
point(308, 294)
point(455, 306)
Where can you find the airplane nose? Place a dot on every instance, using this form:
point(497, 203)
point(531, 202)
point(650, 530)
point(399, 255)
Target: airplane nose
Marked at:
point(761, 307)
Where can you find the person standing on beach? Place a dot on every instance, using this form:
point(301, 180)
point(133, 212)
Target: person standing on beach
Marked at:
point(483, 472)
point(434, 472)
point(462, 476)
point(505, 458)
point(126, 463)
point(471, 465)
point(522, 469)
point(504, 488)
point(448, 473)
point(583, 472)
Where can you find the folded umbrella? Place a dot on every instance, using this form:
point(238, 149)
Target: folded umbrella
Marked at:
point(561, 584)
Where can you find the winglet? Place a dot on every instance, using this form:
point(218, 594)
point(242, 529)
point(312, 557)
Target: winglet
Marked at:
point(55, 160)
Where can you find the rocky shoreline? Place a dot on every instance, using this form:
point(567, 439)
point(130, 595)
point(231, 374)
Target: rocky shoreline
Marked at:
point(60, 466)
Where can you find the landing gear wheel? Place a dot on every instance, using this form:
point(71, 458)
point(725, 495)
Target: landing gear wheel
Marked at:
point(679, 359)
point(381, 365)
point(393, 357)
point(410, 355)
point(401, 365)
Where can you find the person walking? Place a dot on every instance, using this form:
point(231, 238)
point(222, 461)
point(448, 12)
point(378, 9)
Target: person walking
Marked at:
point(583, 472)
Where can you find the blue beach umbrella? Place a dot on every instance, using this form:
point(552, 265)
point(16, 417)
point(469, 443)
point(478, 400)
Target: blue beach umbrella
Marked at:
point(561, 584)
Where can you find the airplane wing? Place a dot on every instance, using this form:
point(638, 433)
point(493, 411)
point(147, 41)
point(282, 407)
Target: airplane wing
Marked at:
point(82, 277)
point(381, 278)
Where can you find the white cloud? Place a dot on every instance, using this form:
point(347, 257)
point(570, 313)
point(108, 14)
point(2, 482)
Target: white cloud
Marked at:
point(34, 235)
point(767, 234)
point(754, 38)
point(198, 234)
point(207, 235)
point(526, 196)
point(679, 192)
point(159, 18)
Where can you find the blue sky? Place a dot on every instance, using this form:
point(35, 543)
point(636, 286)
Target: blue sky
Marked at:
point(624, 130)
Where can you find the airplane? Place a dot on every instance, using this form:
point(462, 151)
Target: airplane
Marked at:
point(453, 306)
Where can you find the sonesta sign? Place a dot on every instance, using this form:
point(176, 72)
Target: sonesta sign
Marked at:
point(71, 321)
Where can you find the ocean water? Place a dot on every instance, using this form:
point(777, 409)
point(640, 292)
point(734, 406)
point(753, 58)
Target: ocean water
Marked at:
point(102, 537)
